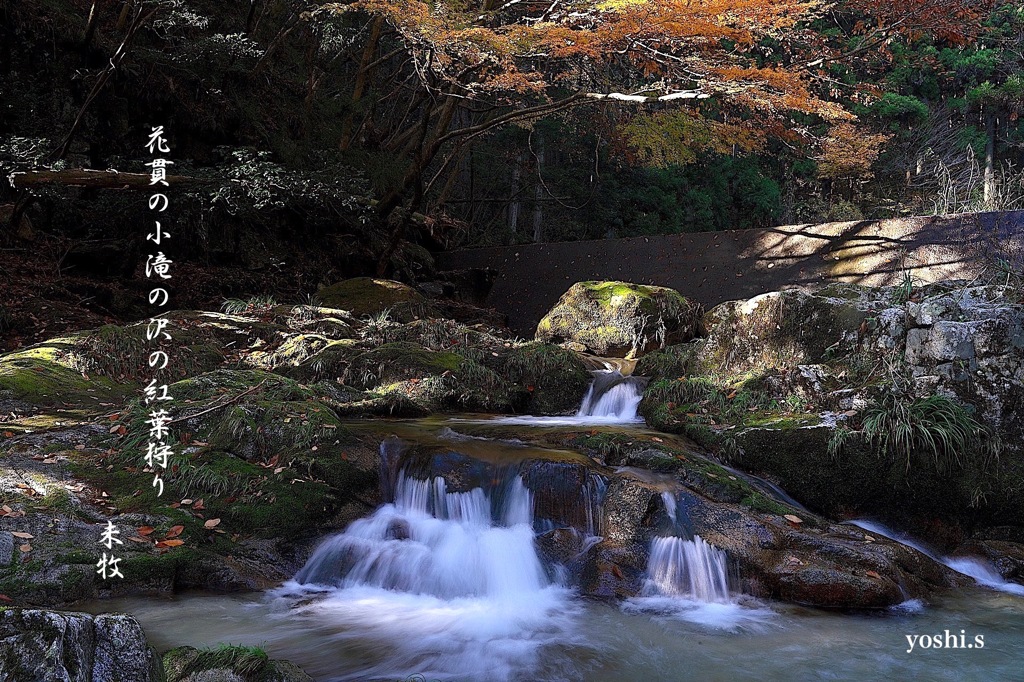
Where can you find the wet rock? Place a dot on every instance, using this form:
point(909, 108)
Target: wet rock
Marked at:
point(1007, 557)
point(50, 645)
point(816, 564)
point(620, 319)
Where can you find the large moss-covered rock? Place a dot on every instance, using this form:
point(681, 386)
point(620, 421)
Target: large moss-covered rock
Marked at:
point(620, 319)
point(363, 296)
point(436, 379)
point(77, 647)
point(780, 378)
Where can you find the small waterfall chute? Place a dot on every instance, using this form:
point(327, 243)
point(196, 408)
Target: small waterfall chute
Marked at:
point(693, 569)
point(611, 398)
point(983, 572)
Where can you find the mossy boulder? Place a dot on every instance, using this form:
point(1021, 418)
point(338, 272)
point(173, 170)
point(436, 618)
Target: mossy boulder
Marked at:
point(620, 319)
point(667, 363)
point(552, 379)
point(229, 663)
point(437, 380)
point(367, 296)
point(307, 357)
point(39, 376)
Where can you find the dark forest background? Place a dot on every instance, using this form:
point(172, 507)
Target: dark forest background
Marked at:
point(294, 127)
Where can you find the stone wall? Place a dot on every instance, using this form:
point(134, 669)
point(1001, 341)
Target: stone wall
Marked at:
point(713, 267)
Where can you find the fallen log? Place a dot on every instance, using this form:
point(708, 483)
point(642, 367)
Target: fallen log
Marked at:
point(96, 179)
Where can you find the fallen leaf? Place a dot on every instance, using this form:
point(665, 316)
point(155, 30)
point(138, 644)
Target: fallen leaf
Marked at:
point(175, 531)
point(873, 574)
point(114, 417)
point(26, 547)
point(278, 470)
point(136, 538)
point(4, 597)
point(186, 501)
point(169, 543)
point(144, 530)
point(8, 434)
point(198, 504)
point(23, 536)
point(656, 439)
point(211, 523)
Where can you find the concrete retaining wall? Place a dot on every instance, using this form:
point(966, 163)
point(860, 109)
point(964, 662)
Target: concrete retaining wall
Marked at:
point(713, 267)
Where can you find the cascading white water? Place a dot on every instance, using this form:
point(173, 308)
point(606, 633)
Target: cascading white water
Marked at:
point(433, 542)
point(688, 568)
point(974, 567)
point(611, 398)
point(451, 579)
point(689, 580)
point(669, 500)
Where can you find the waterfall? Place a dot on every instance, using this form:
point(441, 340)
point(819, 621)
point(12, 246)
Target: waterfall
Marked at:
point(688, 568)
point(974, 567)
point(439, 543)
point(612, 396)
point(669, 500)
point(450, 579)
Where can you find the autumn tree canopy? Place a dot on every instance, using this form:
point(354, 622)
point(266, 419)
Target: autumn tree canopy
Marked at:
point(687, 76)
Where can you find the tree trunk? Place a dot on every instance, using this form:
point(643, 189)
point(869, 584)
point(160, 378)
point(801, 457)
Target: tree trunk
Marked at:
point(90, 26)
point(362, 76)
point(514, 204)
point(538, 194)
point(96, 179)
point(989, 191)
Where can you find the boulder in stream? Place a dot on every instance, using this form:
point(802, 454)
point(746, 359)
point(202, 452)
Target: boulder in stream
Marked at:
point(620, 319)
point(77, 647)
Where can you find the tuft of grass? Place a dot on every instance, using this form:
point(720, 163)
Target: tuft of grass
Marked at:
point(255, 306)
point(939, 429)
point(244, 661)
point(837, 442)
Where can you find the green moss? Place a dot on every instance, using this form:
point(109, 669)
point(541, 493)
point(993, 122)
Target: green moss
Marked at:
point(368, 296)
point(762, 503)
point(550, 378)
point(35, 375)
point(668, 363)
point(77, 556)
point(434, 379)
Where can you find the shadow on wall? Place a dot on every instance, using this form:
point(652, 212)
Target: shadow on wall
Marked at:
point(712, 267)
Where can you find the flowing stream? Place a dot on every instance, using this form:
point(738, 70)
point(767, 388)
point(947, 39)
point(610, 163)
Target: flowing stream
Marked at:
point(445, 580)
